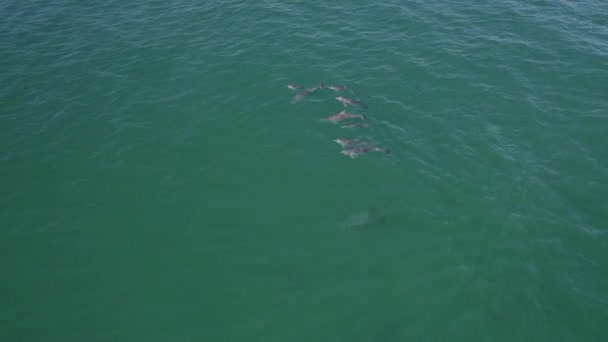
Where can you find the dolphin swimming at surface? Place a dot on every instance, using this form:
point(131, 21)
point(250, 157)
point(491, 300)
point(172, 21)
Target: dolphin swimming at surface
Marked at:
point(298, 87)
point(354, 152)
point(304, 93)
point(343, 115)
point(348, 101)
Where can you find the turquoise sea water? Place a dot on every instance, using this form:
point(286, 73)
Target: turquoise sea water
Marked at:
point(158, 183)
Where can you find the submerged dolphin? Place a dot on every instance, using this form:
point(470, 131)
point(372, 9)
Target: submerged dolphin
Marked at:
point(348, 101)
point(355, 124)
point(295, 87)
point(343, 115)
point(354, 152)
point(339, 88)
point(348, 142)
point(366, 219)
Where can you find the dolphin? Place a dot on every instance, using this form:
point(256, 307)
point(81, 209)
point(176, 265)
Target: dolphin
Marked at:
point(348, 142)
point(369, 218)
point(355, 124)
point(339, 88)
point(304, 93)
point(343, 115)
point(354, 152)
point(295, 87)
point(348, 101)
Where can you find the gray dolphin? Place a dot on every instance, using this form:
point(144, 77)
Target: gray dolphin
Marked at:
point(339, 88)
point(295, 87)
point(304, 93)
point(355, 124)
point(355, 152)
point(343, 115)
point(348, 142)
point(348, 101)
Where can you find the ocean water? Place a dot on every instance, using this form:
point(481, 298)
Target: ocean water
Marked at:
point(159, 183)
